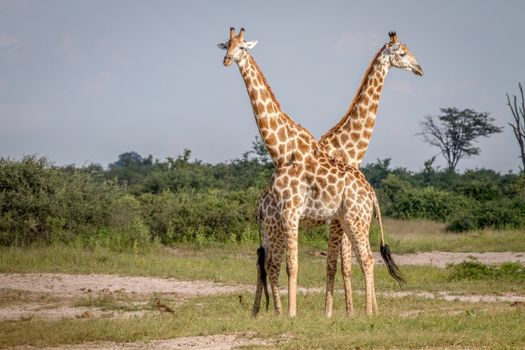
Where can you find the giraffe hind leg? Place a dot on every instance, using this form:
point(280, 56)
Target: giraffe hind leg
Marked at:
point(357, 232)
point(346, 270)
point(273, 267)
point(261, 282)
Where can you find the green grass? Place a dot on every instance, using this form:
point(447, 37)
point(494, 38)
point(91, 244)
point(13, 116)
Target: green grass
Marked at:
point(403, 323)
point(230, 264)
point(424, 236)
point(409, 322)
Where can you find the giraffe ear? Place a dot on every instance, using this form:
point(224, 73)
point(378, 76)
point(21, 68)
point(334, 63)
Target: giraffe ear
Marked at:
point(222, 46)
point(251, 44)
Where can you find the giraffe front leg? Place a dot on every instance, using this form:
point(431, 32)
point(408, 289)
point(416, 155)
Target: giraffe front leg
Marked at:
point(334, 242)
point(292, 270)
point(291, 226)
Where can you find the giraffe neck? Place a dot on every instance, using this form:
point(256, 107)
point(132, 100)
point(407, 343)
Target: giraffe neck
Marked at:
point(349, 139)
point(285, 140)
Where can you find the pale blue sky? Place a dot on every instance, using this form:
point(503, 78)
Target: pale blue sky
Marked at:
point(83, 81)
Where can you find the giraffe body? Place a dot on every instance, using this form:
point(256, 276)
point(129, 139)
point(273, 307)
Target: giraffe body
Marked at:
point(308, 183)
point(347, 141)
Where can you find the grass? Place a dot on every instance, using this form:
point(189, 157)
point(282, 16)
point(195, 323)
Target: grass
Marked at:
point(403, 323)
point(424, 236)
point(409, 322)
point(230, 264)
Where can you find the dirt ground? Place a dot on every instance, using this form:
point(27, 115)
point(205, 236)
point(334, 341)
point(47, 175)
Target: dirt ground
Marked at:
point(55, 296)
point(212, 342)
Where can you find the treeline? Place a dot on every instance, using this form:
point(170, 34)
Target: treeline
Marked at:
point(138, 200)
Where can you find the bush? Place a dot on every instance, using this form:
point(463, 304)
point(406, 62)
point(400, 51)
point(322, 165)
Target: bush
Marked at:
point(406, 202)
point(501, 214)
point(211, 215)
point(475, 270)
point(39, 202)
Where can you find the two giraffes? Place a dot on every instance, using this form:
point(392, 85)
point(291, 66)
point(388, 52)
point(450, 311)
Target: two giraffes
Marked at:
point(316, 182)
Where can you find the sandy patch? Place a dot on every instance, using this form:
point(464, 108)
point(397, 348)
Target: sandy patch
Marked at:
point(212, 342)
point(65, 285)
point(29, 311)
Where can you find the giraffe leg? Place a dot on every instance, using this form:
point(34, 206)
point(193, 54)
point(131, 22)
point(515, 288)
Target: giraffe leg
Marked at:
point(346, 270)
point(258, 293)
point(374, 299)
point(366, 260)
point(355, 230)
point(334, 242)
point(292, 270)
point(331, 268)
point(273, 267)
point(261, 281)
point(290, 228)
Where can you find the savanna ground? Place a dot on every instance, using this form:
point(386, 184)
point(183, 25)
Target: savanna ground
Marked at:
point(200, 297)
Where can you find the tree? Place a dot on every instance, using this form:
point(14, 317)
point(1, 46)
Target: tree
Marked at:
point(130, 168)
point(260, 151)
point(518, 112)
point(454, 132)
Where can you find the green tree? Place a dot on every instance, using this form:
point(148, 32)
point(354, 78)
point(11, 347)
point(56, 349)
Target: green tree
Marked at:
point(260, 151)
point(455, 131)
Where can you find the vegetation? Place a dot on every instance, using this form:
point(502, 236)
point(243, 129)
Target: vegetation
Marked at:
point(140, 201)
point(454, 133)
point(413, 321)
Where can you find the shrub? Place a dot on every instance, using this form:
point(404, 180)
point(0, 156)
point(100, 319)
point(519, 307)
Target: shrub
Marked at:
point(211, 215)
point(406, 202)
point(475, 270)
point(499, 214)
point(39, 202)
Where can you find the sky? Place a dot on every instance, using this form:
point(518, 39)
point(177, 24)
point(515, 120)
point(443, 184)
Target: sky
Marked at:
point(84, 81)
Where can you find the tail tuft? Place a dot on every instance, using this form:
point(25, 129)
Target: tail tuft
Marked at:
point(390, 264)
point(261, 255)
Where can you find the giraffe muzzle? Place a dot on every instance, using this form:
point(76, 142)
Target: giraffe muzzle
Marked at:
point(227, 60)
point(417, 70)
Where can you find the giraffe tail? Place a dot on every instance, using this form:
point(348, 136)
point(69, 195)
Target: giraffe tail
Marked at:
point(262, 284)
point(393, 269)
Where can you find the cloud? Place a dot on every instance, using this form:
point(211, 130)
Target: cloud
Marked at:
point(20, 118)
point(97, 85)
point(402, 87)
point(358, 41)
point(14, 49)
point(7, 40)
point(69, 48)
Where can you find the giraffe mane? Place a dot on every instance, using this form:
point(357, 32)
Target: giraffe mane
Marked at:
point(272, 96)
point(354, 100)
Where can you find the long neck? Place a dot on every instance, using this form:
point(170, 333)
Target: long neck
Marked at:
point(348, 140)
point(284, 139)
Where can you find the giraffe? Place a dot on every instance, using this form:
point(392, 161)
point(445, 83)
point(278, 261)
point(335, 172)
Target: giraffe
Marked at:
point(348, 141)
point(307, 182)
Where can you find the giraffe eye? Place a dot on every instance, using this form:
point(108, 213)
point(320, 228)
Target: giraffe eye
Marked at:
point(403, 54)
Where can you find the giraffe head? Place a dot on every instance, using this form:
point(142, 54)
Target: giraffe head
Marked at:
point(236, 47)
point(398, 55)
